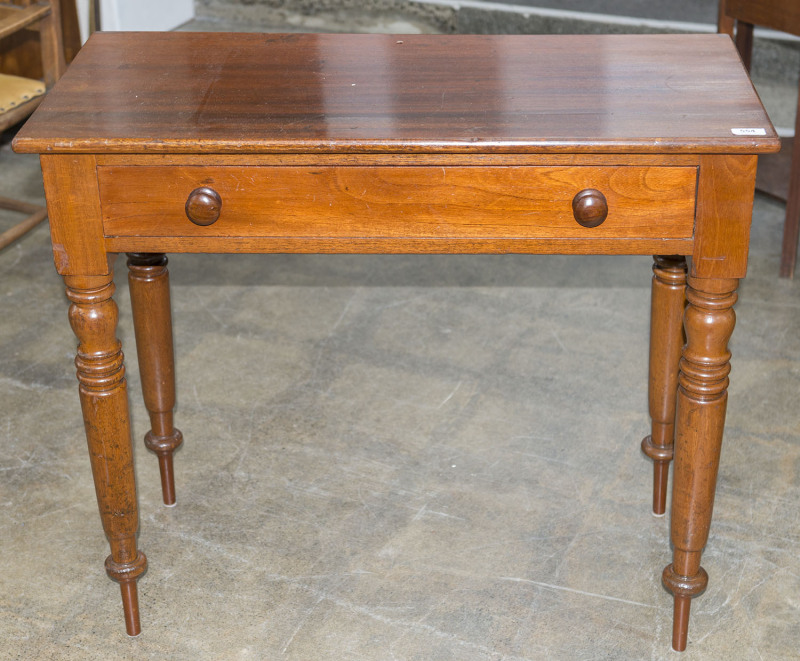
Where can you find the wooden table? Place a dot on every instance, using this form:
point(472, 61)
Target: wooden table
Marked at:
point(179, 142)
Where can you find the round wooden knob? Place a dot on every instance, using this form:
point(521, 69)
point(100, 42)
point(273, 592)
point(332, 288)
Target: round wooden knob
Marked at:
point(203, 206)
point(590, 207)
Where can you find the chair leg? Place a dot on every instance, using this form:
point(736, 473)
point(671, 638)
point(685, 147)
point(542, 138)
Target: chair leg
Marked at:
point(53, 62)
point(744, 42)
point(725, 23)
point(36, 214)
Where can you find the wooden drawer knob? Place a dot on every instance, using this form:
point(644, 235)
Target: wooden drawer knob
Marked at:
point(590, 207)
point(203, 206)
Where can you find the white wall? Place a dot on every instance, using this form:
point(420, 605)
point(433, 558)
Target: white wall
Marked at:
point(145, 14)
point(83, 18)
point(137, 14)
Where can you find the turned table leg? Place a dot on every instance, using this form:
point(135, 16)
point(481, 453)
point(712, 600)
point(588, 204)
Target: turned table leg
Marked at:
point(152, 322)
point(666, 342)
point(702, 398)
point(104, 402)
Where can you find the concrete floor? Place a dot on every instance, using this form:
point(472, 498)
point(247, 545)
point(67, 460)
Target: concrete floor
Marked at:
point(396, 457)
point(696, 11)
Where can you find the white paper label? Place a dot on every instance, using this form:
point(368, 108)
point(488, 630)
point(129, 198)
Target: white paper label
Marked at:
point(749, 131)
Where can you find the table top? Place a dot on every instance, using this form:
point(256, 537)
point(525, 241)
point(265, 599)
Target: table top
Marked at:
point(267, 93)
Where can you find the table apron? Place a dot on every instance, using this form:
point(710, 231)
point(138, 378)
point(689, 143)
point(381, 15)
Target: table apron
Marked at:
point(399, 209)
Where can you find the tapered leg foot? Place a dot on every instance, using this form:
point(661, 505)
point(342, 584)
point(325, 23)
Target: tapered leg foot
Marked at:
point(104, 402)
point(666, 341)
point(164, 446)
point(683, 588)
point(126, 573)
point(661, 455)
point(700, 418)
point(152, 321)
point(130, 607)
point(680, 623)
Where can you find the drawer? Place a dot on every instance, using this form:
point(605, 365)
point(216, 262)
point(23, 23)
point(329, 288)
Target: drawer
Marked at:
point(427, 202)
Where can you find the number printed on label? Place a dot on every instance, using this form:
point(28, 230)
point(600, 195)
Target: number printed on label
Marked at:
point(749, 131)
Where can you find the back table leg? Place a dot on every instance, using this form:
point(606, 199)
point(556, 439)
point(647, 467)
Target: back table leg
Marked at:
point(104, 402)
point(666, 342)
point(152, 321)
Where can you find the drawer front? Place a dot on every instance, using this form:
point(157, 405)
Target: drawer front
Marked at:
point(399, 201)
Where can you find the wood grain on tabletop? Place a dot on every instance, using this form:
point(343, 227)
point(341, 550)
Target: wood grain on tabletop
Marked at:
point(222, 92)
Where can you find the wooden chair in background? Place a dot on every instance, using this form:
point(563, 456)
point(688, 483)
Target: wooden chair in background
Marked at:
point(20, 95)
point(737, 18)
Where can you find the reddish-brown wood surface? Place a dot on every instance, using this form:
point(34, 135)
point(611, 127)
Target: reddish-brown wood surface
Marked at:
point(700, 419)
point(424, 202)
point(214, 92)
point(724, 209)
point(73, 204)
point(258, 239)
point(666, 343)
point(148, 279)
point(104, 401)
point(376, 143)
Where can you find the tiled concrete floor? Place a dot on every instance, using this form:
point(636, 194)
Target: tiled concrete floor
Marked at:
point(396, 457)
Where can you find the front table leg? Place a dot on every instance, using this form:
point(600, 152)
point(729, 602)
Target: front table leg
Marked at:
point(104, 402)
point(702, 397)
point(148, 278)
